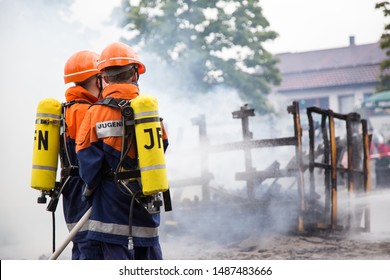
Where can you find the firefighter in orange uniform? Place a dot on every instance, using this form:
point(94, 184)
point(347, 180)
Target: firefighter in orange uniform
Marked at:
point(80, 69)
point(99, 147)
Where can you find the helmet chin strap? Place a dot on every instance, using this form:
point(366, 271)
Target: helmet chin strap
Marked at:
point(136, 77)
point(100, 86)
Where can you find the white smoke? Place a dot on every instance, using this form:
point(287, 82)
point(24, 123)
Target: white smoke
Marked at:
point(36, 41)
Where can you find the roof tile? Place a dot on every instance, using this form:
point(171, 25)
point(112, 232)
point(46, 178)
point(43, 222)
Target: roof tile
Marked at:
point(332, 67)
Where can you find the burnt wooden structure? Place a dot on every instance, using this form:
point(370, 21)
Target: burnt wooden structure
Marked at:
point(329, 162)
point(357, 168)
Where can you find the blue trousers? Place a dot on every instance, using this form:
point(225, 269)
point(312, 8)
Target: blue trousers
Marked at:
point(98, 250)
point(86, 250)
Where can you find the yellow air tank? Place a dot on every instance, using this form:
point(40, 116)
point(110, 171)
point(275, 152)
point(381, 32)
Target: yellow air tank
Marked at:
point(150, 148)
point(46, 144)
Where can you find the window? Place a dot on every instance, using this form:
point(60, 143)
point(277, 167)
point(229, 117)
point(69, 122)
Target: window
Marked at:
point(322, 103)
point(346, 103)
point(367, 95)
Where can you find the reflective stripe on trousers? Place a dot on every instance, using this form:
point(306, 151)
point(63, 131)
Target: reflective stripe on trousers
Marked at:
point(145, 232)
point(83, 228)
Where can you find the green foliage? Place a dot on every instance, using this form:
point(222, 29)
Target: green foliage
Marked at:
point(210, 42)
point(385, 45)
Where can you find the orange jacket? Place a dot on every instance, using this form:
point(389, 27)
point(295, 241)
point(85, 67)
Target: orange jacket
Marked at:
point(75, 113)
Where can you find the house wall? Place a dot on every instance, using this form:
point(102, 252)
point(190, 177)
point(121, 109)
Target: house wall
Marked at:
point(340, 99)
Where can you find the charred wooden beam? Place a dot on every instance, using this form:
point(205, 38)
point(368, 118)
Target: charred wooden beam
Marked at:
point(262, 143)
point(263, 175)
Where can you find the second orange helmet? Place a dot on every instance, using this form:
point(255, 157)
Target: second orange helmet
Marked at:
point(81, 66)
point(119, 54)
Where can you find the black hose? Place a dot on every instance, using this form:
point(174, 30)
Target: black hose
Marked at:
point(131, 215)
point(121, 160)
point(54, 230)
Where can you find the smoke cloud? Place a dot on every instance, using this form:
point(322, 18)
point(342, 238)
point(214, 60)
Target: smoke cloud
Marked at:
point(36, 41)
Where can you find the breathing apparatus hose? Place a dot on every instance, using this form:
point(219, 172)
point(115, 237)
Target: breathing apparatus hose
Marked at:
point(117, 170)
point(127, 142)
point(54, 231)
point(131, 213)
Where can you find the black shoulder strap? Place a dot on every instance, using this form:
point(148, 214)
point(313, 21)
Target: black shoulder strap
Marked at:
point(79, 101)
point(111, 102)
point(118, 103)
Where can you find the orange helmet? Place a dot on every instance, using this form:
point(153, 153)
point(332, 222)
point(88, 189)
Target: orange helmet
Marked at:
point(81, 66)
point(119, 54)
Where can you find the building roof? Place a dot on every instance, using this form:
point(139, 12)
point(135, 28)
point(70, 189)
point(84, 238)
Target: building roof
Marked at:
point(355, 64)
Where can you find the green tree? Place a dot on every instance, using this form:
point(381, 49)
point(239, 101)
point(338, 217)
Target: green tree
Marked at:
point(210, 42)
point(385, 45)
